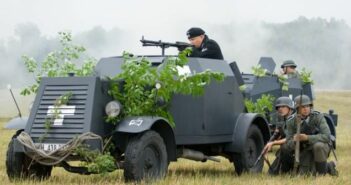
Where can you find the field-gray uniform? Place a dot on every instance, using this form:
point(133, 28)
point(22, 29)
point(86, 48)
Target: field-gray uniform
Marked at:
point(291, 63)
point(280, 123)
point(315, 151)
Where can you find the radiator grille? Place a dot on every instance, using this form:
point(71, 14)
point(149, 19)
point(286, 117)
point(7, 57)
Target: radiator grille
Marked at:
point(72, 124)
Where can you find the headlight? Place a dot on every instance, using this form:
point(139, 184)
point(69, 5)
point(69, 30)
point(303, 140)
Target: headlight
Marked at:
point(113, 108)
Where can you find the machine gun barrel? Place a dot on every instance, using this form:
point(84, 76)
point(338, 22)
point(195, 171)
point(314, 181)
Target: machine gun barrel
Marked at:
point(180, 45)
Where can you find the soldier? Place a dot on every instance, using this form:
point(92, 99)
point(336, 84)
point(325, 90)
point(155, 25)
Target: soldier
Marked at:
point(289, 69)
point(203, 46)
point(314, 139)
point(285, 108)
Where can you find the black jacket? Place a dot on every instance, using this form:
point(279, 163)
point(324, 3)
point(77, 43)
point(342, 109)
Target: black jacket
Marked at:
point(209, 49)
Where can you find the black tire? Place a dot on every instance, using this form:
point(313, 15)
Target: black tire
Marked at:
point(145, 157)
point(243, 162)
point(19, 166)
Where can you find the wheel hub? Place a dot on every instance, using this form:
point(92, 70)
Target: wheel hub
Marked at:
point(151, 160)
point(251, 151)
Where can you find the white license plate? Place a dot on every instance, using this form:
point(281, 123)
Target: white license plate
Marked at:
point(49, 146)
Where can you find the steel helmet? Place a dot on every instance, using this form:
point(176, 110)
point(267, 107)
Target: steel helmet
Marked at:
point(284, 101)
point(288, 63)
point(302, 101)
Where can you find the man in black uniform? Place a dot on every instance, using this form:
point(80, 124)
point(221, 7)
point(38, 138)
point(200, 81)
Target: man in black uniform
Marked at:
point(203, 47)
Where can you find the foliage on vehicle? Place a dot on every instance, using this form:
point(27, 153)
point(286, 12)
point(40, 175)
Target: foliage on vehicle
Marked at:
point(96, 162)
point(139, 95)
point(59, 63)
point(242, 88)
point(259, 71)
point(262, 105)
point(305, 76)
point(283, 79)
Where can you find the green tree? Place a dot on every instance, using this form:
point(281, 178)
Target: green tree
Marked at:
point(59, 63)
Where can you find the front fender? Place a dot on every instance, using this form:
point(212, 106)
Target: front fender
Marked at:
point(137, 124)
point(241, 129)
point(17, 123)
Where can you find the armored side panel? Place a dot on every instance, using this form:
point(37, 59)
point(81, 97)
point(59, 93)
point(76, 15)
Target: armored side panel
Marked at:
point(83, 113)
point(308, 90)
point(268, 64)
point(295, 88)
point(199, 120)
point(209, 118)
point(110, 67)
point(256, 86)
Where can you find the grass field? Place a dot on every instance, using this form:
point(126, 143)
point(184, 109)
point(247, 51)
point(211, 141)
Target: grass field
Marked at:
point(189, 172)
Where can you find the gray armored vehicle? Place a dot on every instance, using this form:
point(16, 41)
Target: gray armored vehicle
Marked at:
point(215, 124)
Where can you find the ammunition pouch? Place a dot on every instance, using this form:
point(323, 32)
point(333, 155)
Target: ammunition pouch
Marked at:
point(309, 130)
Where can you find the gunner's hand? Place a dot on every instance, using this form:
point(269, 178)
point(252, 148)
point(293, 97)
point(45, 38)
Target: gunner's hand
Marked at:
point(300, 137)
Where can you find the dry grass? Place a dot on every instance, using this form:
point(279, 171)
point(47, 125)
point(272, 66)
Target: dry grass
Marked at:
point(189, 172)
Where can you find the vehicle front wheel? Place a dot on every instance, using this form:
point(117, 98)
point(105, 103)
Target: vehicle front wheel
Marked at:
point(244, 161)
point(145, 157)
point(20, 166)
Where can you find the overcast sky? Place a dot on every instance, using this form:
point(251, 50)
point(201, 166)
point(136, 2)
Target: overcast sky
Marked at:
point(123, 22)
point(109, 27)
point(158, 17)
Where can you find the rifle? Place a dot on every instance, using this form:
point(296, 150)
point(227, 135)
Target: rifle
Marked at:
point(298, 132)
point(275, 136)
point(180, 45)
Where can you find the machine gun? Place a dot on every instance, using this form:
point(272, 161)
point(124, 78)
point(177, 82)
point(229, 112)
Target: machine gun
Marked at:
point(180, 45)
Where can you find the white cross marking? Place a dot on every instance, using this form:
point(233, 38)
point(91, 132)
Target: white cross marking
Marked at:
point(63, 110)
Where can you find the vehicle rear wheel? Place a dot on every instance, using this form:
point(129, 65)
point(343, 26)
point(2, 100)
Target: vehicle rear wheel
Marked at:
point(20, 166)
point(244, 161)
point(145, 157)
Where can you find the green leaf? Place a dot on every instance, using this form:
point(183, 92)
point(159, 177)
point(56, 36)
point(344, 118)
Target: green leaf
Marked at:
point(305, 76)
point(25, 92)
point(259, 71)
point(139, 95)
point(59, 63)
point(242, 88)
point(262, 105)
point(283, 79)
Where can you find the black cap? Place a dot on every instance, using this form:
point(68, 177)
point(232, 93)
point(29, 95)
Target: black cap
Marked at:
point(194, 32)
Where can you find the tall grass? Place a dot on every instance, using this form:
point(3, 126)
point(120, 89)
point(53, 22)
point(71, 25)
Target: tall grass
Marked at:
point(190, 172)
